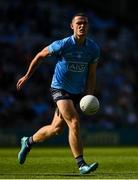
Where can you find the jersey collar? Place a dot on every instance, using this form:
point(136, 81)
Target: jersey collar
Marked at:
point(74, 41)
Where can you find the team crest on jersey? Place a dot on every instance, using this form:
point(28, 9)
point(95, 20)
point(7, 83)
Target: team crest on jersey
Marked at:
point(77, 66)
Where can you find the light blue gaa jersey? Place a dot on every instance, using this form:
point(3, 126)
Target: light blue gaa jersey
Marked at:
point(72, 63)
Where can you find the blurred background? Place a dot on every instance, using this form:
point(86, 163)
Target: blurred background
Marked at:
point(28, 26)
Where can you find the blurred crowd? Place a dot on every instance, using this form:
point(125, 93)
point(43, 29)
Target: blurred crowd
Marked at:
point(26, 27)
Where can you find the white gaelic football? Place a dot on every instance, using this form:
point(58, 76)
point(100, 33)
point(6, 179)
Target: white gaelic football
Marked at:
point(89, 104)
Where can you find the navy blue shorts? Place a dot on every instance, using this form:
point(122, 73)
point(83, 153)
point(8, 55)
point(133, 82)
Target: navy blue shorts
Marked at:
point(59, 94)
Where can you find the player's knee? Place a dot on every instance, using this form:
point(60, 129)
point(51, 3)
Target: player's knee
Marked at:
point(74, 124)
point(57, 130)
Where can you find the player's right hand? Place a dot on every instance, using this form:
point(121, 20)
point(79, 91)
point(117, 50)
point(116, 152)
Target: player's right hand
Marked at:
point(21, 82)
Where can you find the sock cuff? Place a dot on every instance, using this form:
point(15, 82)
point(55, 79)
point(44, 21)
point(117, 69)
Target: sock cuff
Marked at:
point(78, 157)
point(30, 141)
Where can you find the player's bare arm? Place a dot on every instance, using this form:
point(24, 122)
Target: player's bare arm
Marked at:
point(33, 65)
point(91, 79)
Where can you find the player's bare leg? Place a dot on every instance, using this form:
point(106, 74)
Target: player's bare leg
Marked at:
point(55, 128)
point(71, 117)
point(44, 133)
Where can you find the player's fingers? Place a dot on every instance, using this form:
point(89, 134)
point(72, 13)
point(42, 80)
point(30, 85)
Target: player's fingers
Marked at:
point(19, 84)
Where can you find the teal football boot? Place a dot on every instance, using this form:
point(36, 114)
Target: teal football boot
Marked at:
point(86, 169)
point(24, 150)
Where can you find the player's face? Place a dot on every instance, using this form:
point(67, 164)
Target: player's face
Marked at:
point(80, 26)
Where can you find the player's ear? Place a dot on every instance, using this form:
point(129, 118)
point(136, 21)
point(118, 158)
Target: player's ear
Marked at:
point(71, 26)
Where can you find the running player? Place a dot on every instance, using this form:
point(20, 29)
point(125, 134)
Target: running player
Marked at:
point(75, 73)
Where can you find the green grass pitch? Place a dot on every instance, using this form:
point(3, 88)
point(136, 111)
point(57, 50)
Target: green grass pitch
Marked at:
point(58, 163)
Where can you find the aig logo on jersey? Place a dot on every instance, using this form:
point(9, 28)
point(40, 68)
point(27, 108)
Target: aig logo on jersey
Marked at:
point(77, 66)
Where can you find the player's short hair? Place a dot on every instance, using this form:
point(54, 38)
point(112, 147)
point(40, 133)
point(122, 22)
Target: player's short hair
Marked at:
point(79, 14)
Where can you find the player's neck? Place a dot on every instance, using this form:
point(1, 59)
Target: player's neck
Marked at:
point(80, 39)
